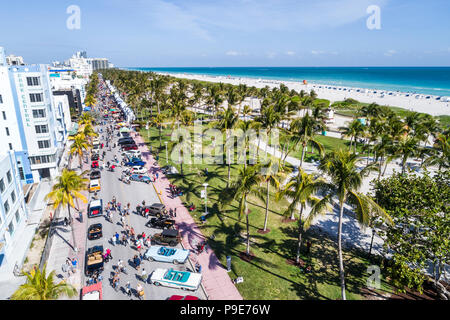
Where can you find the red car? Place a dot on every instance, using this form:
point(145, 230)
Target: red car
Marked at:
point(94, 164)
point(175, 297)
point(93, 292)
point(130, 147)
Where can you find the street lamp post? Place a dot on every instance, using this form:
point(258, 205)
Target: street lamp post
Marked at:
point(167, 153)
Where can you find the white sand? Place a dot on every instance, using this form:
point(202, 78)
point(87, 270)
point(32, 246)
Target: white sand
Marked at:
point(413, 102)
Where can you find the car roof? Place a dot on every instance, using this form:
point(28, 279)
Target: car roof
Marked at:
point(170, 233)
point(96, 203)
point(158, 205)
point(96, 181)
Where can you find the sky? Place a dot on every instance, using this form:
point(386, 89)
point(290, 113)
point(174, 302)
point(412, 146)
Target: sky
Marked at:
point(226, 33)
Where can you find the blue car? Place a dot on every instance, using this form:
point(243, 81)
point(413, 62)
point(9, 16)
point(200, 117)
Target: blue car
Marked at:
point(140, 178)
point(136, 164)
point(164, 254)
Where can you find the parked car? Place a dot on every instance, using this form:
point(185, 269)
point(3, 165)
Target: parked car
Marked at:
point(160, 223)
point(132, 153)
point(92, 292)
point(136, 164)
point(176, 279)
point(95, 208)
point(95, 157)
point(94, 186)
point(129, 147)
point(176, 297)
point(95, 231)
point(140, 178)
point(156, 209)
point(94, 260)
point(163, 254)
point(139, 170)
point(167, 237)
point(95, 165)
point(126, 141)
point(95, 175)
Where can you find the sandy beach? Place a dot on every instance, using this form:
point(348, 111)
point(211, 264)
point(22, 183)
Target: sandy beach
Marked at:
point(414, 102)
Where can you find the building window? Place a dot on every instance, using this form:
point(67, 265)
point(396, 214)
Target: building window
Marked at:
point(4, 115)
point(33, 81)
point(36, 97)
point(44, 144)
point(17, 216)
point(6, 206)
point(42, 159)
point(2, 185)
point(9, 176)
point(7, 131)
point(41, 128)
point(22, 175)
point(39, 113)
point(10, 146)
point(13, 197)
point(11, 228)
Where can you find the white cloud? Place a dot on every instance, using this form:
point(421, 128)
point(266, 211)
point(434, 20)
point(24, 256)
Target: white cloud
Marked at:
point(290, 53)
point(233, 53)
point(316, 52)
point(271, 55)
point(390, 53)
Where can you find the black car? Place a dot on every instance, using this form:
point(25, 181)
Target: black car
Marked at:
point(95, 231)
point(123, 141)
point(167, 238)
point(95, 175)
point(95, 157)
point(160, 223)
point(94, 260)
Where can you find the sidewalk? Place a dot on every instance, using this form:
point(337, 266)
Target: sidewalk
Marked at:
point(216, 280)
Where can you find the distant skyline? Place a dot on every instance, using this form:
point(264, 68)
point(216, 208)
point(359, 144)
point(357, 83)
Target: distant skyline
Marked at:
point(233, 33)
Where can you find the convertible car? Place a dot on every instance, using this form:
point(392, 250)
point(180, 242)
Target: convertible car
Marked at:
point(140, 178)
point(95, 231)
point(164, 254)
point(136, 164)
point(176, 279)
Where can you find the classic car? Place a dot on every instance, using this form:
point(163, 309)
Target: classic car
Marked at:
point(156, 209)
point(94, 260)
point(95, 157)
point(140, 178)
point(95, 165)
point(136, 164)
point(163, 254)
point(95, 175)
point(160, 223)
point(95, 208)
point(129, 147)
point(123, 141)
point(94, 186)
point(176, 297)
point(176, 279)
point(92, 292)
point(132, 153)
point(139, 170)
point(167, 237)
point(95, 231)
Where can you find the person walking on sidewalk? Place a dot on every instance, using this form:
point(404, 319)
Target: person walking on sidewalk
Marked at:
point(128, 289)
point(117, 238)
point(143, 275)
point(140, 291)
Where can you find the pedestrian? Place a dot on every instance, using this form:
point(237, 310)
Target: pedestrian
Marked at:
point(140, 291)
point(143, 203)
point(175, 213)
point(144, 275)
point(117, 238)
point(122, 220)
point(137, 262)
point(113, 240)
point(171, 212)
point(124, 240)
point(128, 289)
point(148, 241)
point(65, 269)
point(74, 264)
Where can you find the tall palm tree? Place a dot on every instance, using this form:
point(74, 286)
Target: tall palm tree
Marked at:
point(40, 286)
point(66, 190)
point(354, 130)
point(88, 132)
point(90, 100)
point(246, 183)
point(303, 131)
point(441, 154)
point(346, 179)
point(158, 121)
point(78, 147)
point(405, 148)
point(301, 191)
point(86, 118)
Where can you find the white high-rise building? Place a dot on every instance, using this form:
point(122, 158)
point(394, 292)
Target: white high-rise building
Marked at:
point(13, 60)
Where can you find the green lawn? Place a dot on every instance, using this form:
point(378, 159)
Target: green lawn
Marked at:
point(268, 276)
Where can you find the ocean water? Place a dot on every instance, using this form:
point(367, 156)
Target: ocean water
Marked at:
point(423, 80)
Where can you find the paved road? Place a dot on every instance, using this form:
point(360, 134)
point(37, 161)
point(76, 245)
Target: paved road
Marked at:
point(134, 194)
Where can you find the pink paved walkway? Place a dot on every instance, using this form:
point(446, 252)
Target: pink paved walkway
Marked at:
point(216, 280)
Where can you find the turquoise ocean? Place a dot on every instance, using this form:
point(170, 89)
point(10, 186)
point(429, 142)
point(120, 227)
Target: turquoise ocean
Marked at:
point(423, 80)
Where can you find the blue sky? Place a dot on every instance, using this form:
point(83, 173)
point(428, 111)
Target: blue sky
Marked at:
point(180, 33)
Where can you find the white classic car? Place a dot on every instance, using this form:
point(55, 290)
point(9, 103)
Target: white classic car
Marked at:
point(164, 254)
point(176, 279)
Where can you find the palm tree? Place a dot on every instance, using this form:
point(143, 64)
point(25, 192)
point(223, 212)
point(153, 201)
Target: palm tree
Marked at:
point(67, 189)
point(158, 121)
point(78, 146)
point(40, 286)
point(354, 130)
point(246, 183)
point(405, 148)
point(346, 179)
point(301, 191)
point(86, 118)
point(303, 131)
point(90, 100)
point(441, 154)
point(88, 131)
